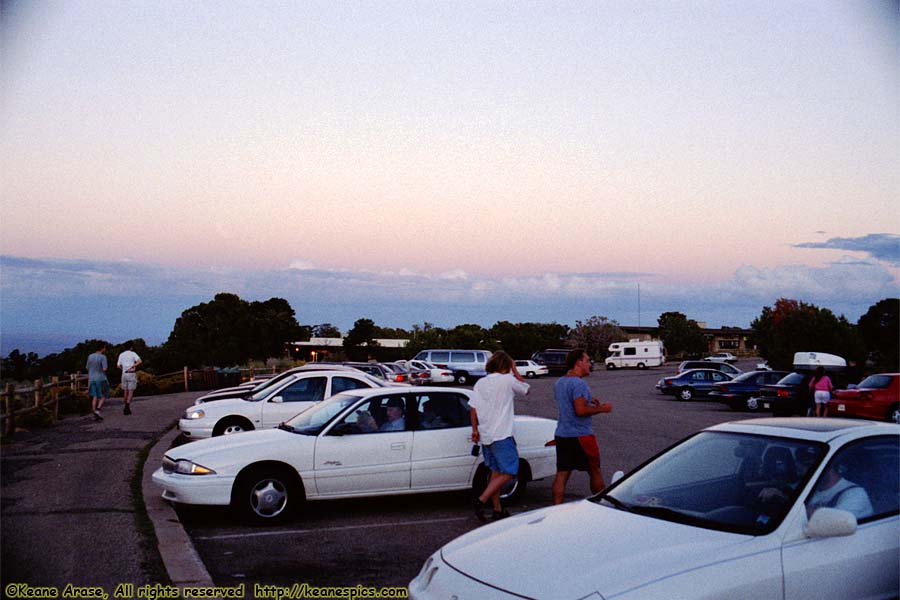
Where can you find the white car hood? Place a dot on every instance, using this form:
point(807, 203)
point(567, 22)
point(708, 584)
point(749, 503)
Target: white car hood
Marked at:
point(218, 406)
point(243, 447)
point(576, 549)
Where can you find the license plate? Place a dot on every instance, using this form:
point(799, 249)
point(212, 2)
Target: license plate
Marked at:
point(842, 407)
point(766, 405)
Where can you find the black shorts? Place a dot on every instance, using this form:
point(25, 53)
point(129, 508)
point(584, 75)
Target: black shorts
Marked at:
point(577, 453)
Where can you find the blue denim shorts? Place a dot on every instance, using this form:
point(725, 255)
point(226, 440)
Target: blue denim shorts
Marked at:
point(99, 389)
point(502, 456)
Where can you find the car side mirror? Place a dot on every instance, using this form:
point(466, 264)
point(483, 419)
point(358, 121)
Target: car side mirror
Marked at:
point(277, 400)
point(617, 476)
point(831, 522)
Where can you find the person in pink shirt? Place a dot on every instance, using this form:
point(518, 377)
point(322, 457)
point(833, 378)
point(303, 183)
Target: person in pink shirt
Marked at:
point(821, 387)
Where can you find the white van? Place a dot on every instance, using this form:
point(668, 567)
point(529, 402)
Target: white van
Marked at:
point(635, 353)
point(466, 365)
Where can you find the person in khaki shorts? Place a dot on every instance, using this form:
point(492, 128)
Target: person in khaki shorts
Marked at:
point(128, 362)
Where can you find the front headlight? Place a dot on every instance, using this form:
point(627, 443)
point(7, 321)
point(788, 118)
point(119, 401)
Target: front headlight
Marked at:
point(194, 413)
point(189, 467)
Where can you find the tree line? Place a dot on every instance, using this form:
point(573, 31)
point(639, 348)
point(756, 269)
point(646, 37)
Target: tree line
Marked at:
point(229, 331)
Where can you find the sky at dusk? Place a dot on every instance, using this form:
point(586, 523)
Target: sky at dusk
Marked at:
point(448, 162)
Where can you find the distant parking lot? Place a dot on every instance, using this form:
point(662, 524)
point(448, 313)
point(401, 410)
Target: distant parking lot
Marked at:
point(384, 541)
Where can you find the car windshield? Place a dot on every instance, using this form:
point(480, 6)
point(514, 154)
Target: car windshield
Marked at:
point(724, 481)
point(375, 381)
point(313, 420)
point(876, 382)
point(791, 379)
point(270, 381)
point(744, 377)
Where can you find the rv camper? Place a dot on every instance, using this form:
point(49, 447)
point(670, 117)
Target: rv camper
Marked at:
point(635, 353)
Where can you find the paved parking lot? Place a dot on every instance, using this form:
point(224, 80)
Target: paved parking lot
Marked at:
point(384, 541)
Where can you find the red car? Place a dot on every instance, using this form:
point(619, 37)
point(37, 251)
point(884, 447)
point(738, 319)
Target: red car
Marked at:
point(876, 397)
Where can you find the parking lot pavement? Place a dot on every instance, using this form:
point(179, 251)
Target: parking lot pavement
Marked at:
point(384, 541)
point(66, 501)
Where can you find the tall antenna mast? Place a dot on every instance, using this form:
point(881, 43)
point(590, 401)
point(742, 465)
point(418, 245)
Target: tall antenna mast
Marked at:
point(639, 304)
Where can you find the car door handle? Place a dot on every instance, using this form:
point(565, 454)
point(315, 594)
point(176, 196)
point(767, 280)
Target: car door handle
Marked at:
point(398, 446)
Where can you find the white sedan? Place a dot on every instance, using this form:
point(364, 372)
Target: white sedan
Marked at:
point(723, 357)
point(436, 373)
point(530, 369)
point(766, 508)
point(272, 405)
point(365, 442)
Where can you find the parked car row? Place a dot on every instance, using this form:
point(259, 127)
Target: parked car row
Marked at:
point(760, 508)
point(785, 393)
point(361, 442)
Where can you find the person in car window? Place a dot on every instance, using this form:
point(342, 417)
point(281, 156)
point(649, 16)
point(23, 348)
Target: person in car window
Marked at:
point(833, 491)
point(492, 414)
point(395, 419)
point(821, 386)
point(431, 419)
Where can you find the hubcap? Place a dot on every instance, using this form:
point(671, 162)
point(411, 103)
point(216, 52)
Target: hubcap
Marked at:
point(895, 415)
point(268, 498)
point(510, 488)
point(752, 403)
point(232, 429)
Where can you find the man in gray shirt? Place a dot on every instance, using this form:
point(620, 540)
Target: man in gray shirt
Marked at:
point(98, 384)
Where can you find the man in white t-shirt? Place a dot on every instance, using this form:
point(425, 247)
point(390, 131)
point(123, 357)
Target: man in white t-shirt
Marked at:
point(492, 425)
point(128, 362)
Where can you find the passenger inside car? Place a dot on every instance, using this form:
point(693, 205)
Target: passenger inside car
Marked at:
point(833, 490)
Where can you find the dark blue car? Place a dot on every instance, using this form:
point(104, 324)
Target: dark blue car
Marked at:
point(742, 392)
point(690, 383)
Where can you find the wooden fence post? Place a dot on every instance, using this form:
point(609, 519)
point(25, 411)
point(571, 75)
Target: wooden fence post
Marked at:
point(38, 393)
point(9, 407)
point(54, 381)
point(186, 380)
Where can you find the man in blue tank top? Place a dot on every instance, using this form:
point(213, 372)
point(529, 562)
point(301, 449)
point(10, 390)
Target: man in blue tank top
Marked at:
point(576, 444)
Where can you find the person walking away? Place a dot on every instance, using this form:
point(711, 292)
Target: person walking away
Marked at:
point(576, 444)
point(128, 362)
point(492, 413)
point(98, 384)
point(821, 387)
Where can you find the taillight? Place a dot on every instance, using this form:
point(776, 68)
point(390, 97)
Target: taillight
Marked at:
point(783, 393)
point(398, 378)
point(720, 388)
point(550, 443)
point(668, 382)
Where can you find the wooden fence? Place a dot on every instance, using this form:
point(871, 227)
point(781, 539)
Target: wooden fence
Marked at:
point(19, 402)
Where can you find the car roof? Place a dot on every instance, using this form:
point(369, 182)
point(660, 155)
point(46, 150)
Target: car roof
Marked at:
point(704, 369)
point(810, 428)
point(418, 389)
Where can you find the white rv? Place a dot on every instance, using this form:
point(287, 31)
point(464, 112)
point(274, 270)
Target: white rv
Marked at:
point(635, 353)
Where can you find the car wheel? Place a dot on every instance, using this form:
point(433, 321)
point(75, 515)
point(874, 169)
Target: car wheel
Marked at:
point(266, 494)
point(530, 374)
point(752, 404)
point(231, 425)
point(462, 378)
point(893, 414)
point(511, 493)
point(641, 366)
point(610, 367)
point(685, 394)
